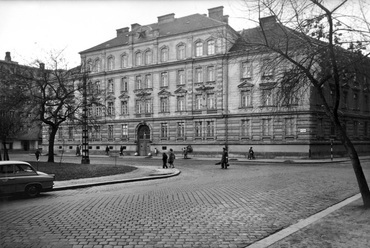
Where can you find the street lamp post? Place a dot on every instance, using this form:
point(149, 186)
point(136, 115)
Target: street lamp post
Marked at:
point(85, 141)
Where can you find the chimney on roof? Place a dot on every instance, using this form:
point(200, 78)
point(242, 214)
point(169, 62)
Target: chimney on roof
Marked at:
point(8, 58)
point(135, 26)
point(42, 66)
point(122, 31)
point(166, 18)
point(217, 13)
point(268, 22)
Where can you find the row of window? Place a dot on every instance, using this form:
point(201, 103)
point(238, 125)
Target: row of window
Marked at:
point(146, 81)
point(146, 57)
point(355, 131)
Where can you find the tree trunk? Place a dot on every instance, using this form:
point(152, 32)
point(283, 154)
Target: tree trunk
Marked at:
point(6, 155)
point(361, 180)
point(51, 144)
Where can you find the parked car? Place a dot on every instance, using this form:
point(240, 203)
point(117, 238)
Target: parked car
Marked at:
point(19, 176)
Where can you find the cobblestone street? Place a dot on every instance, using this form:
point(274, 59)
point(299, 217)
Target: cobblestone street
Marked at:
point(202, 207)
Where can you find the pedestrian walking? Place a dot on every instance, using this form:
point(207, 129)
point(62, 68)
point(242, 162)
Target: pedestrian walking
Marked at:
point(107, 150)
point(78, 151)
point(171, 158)
point(251, 153)
point(185, 152)
point(37, 154)
point(155, 151)
point(121, 151)
point(224, 159)
point(164, 159)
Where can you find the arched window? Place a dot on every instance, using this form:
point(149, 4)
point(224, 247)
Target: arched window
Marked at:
point(124, 61)
point(138, 58)
point(148, 57)
point(210, 47)
point(97, 65)
point(164, 54)
point(181, 51)
point(198, 49)
point(110, 63)
point(90, 66)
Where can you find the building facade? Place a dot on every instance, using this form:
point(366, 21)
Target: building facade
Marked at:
point(178, 82)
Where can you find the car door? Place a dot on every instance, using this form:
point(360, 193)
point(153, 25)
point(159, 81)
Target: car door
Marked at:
point(7, 179)
point(23, 175)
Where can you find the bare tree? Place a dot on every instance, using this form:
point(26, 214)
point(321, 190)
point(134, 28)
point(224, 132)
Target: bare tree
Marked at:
point(316, 48)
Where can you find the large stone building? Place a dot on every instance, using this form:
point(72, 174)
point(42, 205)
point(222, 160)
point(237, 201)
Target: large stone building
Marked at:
point(181, 81)
point(28, 136)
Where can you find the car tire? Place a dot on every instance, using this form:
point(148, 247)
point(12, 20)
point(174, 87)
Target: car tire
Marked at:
point(33, 190)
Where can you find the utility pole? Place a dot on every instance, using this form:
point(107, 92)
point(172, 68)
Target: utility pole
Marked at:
point(85, 140)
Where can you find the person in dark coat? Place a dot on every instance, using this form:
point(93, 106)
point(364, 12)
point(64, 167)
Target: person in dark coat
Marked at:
point(164, 159)
point(171, 158)
point(37, 154)
point(251, 153)
point(224, 159)
point(107, 150)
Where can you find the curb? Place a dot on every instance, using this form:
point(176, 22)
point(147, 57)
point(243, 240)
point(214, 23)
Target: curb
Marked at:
point(146, 178)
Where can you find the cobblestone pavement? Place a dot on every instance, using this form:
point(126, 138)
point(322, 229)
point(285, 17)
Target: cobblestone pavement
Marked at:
point(202, 207)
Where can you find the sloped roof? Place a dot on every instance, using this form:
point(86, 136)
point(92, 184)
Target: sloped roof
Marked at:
point(185, 24)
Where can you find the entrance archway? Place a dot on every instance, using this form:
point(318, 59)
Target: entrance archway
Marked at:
point(143, 138)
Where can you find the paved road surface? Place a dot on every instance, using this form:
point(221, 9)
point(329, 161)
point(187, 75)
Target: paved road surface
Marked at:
point(202, 207)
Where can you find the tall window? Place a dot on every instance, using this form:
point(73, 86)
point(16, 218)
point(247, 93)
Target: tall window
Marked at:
point(198, 102)
point(124, 84)
point(199, 75)
point(110, 63)
point(366, 102)
point(138, 58)
point(148, 81)
point(90, 66)
point(198, 49)
point(148, 57)
point(110, 132)
point(60, 133)
point(124, 61)
point(345, 99)
point(268, 70)
point(211, 101)
point(355, 101)
point(267, 97)
point(97, 65)
point(148, 105)
point(180, 77)
point(180, 103)
point(245, 128)
point(181, 52)
point(266, 127)
point(246, 70)
point(124, 131)
point(138, 83)
point(164, 79)
point(164, 54)
point(139, 106)
point(198, 129)
point(164, 130)
point(211, 47)
point(110, 108)
point(289, 127)
point(246, 100)
point(210, 128)
point(210, 73)
point(164, 104)
point(70, 132)
point(110, 86)
point(124, 109)
point(181, 129)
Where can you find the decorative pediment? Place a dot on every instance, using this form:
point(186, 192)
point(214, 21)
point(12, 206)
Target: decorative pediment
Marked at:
point(164, 92)
point(124, 95)
point(267, 85)
point(180, 91)
point(110, 97)
point(245, 86)
point(142, 93)
point(204, 88)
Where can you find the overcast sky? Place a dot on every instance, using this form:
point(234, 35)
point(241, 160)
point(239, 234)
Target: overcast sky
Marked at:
point(32, 29)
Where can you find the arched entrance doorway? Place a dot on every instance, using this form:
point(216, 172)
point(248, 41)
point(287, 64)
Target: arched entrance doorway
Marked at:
point(143, 138)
